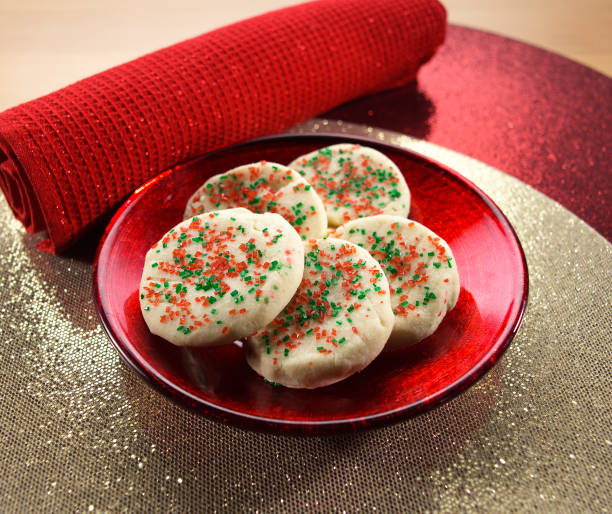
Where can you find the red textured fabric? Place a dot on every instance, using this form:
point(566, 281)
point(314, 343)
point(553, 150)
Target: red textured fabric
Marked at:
point(68, 158)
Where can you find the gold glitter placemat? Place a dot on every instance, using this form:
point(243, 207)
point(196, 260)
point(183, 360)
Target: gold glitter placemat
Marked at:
point(81, 432)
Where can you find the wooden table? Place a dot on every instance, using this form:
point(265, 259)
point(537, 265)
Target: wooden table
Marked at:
point(46, 45)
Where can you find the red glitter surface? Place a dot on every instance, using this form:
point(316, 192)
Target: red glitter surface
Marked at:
point(533, 114)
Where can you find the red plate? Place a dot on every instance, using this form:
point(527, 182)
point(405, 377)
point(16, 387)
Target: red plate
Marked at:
point(219, 383)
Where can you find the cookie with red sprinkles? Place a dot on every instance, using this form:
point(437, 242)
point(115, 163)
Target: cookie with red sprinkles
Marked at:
point(354, 181)
point(220, 276)
point(264, 187)
point(420, 267)
point(337, 322)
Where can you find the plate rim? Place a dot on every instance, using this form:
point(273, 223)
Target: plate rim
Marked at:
point(317, 427)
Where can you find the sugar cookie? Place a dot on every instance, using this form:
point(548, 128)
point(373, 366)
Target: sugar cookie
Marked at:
point(220, 276)
point(337, 323)
point(420, 267)
point(354, 181)
point(264, 187)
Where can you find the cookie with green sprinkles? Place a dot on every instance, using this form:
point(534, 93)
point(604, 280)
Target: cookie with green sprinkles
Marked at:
point(354, 181)
point(420, 267)
point(264, 187)
point(336, 324)
point(220, 276)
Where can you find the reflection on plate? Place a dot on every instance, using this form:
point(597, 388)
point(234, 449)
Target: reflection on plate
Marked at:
point(219, 383)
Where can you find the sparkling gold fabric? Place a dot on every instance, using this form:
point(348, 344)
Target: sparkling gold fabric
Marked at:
point(80, 431)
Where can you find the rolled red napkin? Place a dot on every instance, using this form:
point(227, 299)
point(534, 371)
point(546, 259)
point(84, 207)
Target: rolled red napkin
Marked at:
point(68, 158)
